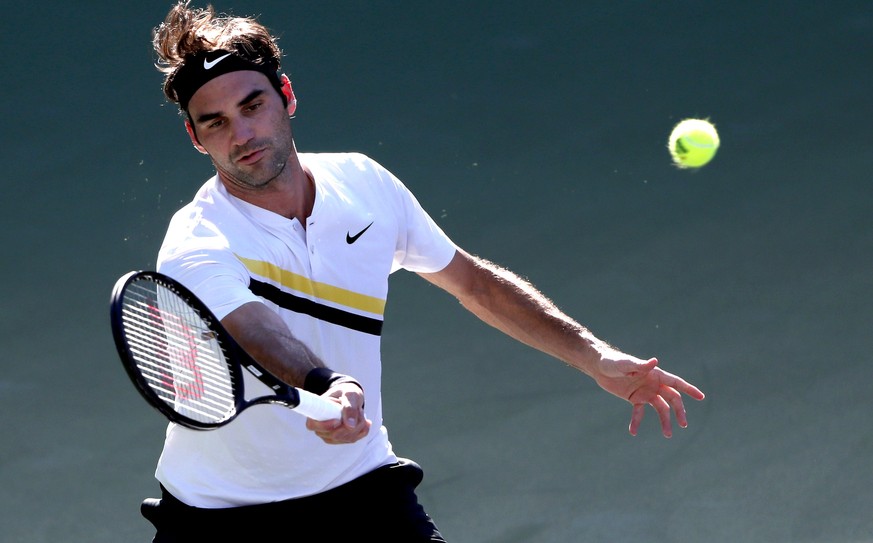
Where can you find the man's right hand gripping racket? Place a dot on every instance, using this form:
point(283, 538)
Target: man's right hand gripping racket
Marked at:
point(183, 361)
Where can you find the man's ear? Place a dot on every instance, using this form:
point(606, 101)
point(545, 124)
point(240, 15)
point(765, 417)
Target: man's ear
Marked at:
point(288, 92)
point(193, 136)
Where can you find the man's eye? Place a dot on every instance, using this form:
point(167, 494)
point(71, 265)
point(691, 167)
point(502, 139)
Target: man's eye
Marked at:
point(215, 124)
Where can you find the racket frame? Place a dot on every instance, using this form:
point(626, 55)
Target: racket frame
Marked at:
point(305, 402)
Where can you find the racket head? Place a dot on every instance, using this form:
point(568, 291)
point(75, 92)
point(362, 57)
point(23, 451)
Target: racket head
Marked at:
point(175, 351)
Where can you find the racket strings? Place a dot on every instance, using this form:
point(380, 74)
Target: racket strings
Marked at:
point(177, 354)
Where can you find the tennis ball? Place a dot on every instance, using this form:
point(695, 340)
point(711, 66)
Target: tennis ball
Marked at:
point(693, 143)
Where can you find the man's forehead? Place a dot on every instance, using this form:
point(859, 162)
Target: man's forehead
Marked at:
point(226, 91)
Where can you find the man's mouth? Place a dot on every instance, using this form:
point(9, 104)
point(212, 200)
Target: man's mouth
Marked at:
point(250, 157)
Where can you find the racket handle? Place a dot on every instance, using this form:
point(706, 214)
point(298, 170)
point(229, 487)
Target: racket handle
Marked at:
point(317, 407)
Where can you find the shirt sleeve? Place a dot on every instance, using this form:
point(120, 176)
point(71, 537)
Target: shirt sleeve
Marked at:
point(196, 255)
point(218, 278)
point(422, 246)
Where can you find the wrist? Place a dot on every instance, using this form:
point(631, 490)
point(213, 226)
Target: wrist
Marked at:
point(588, 354)
point(320, 380)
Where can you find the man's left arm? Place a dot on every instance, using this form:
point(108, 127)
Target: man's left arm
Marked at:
point(514, 306)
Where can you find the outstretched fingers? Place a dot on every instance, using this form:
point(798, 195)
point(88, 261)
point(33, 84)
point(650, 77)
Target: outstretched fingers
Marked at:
point(644, 383)
point(666, 403)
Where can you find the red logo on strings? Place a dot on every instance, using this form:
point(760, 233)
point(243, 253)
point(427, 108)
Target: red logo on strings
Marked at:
point(181, 355)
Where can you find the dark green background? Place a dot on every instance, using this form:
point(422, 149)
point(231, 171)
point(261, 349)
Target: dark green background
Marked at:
point(535, 133)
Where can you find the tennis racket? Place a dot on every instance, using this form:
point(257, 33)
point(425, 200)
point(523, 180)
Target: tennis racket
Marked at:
point(183, 361)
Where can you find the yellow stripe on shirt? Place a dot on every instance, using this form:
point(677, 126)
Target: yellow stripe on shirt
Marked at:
point(323, 291)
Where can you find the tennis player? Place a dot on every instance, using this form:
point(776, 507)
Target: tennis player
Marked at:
point(293, 251)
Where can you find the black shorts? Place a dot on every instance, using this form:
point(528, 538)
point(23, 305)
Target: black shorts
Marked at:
point(380, 506)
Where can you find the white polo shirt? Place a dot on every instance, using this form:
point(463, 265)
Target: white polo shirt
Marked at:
point(329, 282)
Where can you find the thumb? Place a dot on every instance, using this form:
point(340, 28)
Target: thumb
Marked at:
point(640, 366)
point(350, 413)
point(353, 410)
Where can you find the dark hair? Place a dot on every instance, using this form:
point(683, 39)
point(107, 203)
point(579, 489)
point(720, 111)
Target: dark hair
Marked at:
point(186, 32)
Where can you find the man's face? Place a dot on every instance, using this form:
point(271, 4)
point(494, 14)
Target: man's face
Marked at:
point(241, 122)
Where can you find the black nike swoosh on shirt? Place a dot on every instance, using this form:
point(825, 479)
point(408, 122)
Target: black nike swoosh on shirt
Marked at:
point(351, 239)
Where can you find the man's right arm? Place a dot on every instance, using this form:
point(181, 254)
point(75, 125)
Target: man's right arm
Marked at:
point(267, 339)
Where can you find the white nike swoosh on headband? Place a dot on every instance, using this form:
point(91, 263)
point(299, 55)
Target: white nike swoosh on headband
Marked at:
point(208, 65)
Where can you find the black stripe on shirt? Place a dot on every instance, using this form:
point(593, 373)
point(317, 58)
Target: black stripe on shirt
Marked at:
point(325, 313)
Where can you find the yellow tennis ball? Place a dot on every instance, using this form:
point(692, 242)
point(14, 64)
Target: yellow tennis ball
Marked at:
point(693, 143)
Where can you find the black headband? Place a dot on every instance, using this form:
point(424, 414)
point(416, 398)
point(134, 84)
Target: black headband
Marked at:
point(200, 68)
